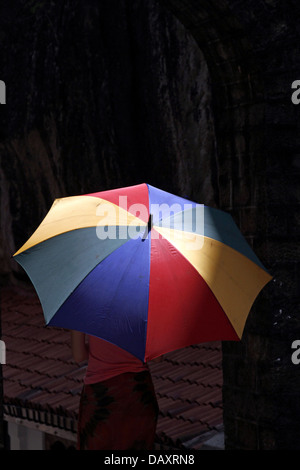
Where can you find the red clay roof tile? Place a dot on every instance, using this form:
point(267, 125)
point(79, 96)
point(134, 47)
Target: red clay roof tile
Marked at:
point(42, 382)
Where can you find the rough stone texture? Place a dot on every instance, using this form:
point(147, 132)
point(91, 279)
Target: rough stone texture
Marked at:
point(109, 93)
point(99, 95)
point(252, 52)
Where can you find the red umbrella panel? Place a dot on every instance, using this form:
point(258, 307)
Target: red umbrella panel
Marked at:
point(144, 269)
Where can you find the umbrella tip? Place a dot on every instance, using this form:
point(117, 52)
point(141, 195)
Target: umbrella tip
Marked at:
point(148, 228)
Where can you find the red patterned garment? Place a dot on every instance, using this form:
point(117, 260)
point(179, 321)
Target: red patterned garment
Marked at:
point(118, 414)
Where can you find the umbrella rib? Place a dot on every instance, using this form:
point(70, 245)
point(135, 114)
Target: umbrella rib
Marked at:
point(222, 267)
point(89, 218)
point(249, 295)
point(82, 280)
point(230, 237)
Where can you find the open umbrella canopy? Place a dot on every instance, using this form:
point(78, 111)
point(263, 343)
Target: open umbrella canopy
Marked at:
point(143, 269)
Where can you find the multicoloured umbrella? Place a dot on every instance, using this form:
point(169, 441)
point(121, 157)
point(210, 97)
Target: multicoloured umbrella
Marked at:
point(143, 269)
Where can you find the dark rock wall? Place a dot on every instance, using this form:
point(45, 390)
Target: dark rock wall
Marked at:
point(252, 52)
point(191, 96)
point(99, 95)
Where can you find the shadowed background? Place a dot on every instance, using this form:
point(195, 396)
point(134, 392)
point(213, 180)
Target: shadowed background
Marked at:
point(193, 97)
point(99, 95)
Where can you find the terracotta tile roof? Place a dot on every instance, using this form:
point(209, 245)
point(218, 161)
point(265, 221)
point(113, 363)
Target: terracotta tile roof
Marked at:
point(42, 382)
point(188, 385)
